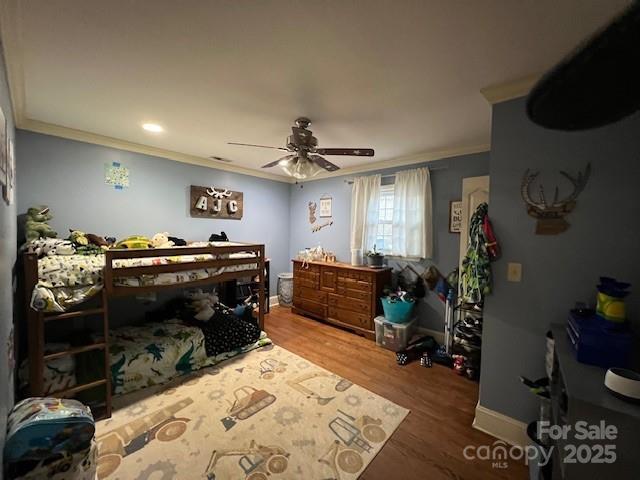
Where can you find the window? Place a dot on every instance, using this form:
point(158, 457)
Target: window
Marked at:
point(384, 233)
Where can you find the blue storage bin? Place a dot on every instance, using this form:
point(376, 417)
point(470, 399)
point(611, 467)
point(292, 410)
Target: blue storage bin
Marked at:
point(597, 343)
point(398, 311)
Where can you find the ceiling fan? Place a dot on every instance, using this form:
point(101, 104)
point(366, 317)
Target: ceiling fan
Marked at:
point(304, 159)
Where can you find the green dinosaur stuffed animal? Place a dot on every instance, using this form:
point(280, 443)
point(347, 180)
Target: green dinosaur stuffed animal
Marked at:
point(36, 224)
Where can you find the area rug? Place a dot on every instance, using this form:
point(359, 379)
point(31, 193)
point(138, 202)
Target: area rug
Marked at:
point(267, 414)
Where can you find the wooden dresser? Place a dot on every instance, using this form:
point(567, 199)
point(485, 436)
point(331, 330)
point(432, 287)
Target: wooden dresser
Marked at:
point(339, 293)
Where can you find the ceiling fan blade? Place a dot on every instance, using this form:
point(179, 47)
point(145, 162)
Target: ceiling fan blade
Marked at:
point(286, 158)
point(272, 164)
point(356, 152)
point(253, 145)
point(326, 164)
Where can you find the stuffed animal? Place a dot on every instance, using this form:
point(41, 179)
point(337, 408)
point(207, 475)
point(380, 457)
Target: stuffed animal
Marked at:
point(161, 240)
point(221, 237)
point(111, 241)
point(203, 303)
point(97, 240)
point(36, 223)
point(78, 238)
point(135, 241)
point(178, 242)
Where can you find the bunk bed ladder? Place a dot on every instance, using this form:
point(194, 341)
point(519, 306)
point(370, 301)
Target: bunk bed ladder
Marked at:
point(36, 333)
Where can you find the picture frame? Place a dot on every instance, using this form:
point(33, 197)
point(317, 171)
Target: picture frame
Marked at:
point(455, 216)
point(325, 207)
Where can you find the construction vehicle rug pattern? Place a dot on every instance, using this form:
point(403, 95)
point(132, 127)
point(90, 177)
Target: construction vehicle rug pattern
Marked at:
point(266, 415)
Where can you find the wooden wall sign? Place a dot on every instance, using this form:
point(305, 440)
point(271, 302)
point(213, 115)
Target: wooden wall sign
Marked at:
point(211, 202)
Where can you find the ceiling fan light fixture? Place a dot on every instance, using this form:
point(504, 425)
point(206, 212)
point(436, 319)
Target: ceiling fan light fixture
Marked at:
point(301, 168)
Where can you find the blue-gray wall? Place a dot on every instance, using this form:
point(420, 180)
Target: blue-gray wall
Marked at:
point(7, 261)
point(557, 270)
point(68, 176)
point(446, 185)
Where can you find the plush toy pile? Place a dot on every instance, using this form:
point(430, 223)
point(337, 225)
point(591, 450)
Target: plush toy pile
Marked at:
point(42, 239)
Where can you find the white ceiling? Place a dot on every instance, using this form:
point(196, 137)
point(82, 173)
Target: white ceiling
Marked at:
point(400, 76)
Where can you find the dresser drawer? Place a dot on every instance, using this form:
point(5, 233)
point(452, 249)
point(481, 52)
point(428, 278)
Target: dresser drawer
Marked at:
point(306, 278)
point(355, 275)
point(309, 267)
point(356, 319)
point(328, 279)
point(361, 295)
point(354, 284)
point(310, 307)
point(306, 282)
point(312, 294)
point(349, 303)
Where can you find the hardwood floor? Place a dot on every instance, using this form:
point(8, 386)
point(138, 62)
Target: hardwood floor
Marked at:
point(429, 443)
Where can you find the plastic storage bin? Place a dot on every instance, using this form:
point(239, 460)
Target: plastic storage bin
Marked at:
point(394, 336)
point(596, 343)
point(397, 312)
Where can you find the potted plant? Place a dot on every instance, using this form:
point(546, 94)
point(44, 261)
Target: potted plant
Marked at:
point(375, 258)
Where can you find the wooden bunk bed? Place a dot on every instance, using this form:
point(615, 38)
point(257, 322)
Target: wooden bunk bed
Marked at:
point(36, 320)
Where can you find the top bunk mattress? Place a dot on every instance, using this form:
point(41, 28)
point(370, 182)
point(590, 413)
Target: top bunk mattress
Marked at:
point(65, 281)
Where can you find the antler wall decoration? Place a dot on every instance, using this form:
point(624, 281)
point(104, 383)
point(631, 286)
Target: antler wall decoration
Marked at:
point(317, 228)
point(550, 216)
point(219, 195)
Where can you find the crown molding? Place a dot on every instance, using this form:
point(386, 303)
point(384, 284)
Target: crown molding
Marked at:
point(509, 90)
point(94, 138)
point(422, 157)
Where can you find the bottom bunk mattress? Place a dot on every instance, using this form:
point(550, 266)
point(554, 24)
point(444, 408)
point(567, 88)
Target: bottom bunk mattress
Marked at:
point(140, 356)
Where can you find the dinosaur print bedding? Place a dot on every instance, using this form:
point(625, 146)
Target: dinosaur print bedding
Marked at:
point(65, 281)
point(146, 355)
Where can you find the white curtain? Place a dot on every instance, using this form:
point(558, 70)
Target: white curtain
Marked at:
point(365, 198)
point(412, 216)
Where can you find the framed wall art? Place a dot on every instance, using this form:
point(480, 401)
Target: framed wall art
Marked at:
point(212, 202)
point(455, 216)
point(116, 175)
point(325, 207)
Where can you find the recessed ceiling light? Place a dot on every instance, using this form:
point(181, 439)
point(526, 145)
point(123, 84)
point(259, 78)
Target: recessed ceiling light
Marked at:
point(152, 127)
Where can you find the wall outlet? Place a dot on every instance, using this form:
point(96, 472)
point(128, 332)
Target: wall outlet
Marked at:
point(514, 272)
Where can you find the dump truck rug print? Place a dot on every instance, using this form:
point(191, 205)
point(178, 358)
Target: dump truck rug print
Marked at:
point(265, 415)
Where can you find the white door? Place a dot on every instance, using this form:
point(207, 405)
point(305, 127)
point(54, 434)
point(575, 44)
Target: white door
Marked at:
point(475, 190)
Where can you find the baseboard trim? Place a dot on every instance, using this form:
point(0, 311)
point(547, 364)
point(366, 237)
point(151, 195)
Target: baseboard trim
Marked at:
point(504, 428)
point(273, 301)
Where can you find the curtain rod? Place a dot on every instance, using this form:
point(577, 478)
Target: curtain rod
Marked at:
point(392, 175)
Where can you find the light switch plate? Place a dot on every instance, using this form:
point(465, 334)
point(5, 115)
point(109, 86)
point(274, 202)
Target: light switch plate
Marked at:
point(514, 272)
